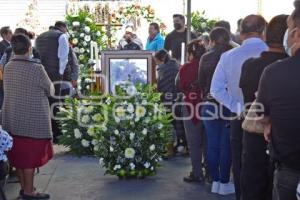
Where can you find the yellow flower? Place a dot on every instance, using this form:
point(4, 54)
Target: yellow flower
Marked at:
point(140, 111)
point(120, 112)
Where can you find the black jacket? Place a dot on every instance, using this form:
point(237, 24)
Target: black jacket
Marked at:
point(3, 45)
point(207, 67)
point(166, 80)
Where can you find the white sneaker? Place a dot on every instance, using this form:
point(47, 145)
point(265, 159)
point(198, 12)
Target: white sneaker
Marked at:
point(226, 188)
point(215, 187)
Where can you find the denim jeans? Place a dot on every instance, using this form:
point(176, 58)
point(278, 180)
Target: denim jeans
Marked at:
point(285, 184)
point(218, 145)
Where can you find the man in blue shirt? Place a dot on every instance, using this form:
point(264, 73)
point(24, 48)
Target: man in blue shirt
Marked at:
point(155, 41)
point(225, 84)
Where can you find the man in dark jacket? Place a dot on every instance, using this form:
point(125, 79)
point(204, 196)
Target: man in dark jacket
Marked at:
point(53, 48)
point(6, 35)
point(256, 167)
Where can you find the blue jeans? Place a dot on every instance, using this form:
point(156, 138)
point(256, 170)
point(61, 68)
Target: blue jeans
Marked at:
point(218, 144)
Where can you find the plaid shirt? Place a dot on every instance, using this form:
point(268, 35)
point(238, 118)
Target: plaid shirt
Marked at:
point(26, 110)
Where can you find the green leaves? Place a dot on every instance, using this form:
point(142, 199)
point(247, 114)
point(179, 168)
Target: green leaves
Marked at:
point(201, 24)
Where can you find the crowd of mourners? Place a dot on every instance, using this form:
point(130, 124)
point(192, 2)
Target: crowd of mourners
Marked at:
point(211, 97)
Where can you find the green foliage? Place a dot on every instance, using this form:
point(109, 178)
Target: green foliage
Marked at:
point(201, 24)
point(128, 131)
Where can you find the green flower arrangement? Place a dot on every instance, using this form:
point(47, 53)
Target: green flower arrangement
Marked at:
point(201, 24)
point(136, 133)
point(83, 30)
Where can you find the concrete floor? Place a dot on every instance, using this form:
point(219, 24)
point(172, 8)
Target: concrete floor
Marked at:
point(70, 178)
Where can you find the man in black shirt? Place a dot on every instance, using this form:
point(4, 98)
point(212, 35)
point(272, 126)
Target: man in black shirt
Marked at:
point(256, 167)
point(177, 37)
point(279, 92)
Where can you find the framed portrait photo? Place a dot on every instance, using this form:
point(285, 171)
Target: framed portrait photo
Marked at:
point(121, 66)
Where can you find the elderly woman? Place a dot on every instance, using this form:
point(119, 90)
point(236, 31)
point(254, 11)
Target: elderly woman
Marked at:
point(26, 114)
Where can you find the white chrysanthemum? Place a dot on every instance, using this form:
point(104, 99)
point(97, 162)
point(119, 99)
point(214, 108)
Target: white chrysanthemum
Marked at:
point(137, 119)
point(85, 143)
point(104, 128)
point(97, 117)
point(116, 167)
point(116, 132)
point(76, 23)
point(95, 142)
point(108, 101)
point(76, 50)
point(132, 166)
point(96, 147)
point(87, 29)
point(144, 102)
point(82, 50)
point(87, 87)
point(81, 57)
point(117, 120)
point(145, 131)
point(152, 147)
point(101, 161)
point(131, 90)
point(85, 44)
point(91, 131)
point(160, 126)
point(87, 38)
point(90, 109)
point(98, 34)
point(111, 149)
point(82, 35)
point(147, 120)
point(152, 168)
point(85, 119)
point(131, 136)
point(130, 108)
point(120, 112)
point(88, 80)
point(129, 153)
point(75, 41)
point(147, 165)
point(140, 111)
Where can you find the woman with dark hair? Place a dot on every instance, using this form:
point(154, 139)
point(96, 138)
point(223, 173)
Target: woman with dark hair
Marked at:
point(187, 81)
point(217, 128)
point(26, 90)
point(155, 40)
point(166, 73)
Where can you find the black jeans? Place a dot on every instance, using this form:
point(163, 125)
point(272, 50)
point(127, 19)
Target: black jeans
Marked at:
point(257, 169)
point(236, 138)
point(285, 183)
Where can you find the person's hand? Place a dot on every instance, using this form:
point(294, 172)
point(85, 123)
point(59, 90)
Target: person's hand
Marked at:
point(74, 83)
point(267, 132)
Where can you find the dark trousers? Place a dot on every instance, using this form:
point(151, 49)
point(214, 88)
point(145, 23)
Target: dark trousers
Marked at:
point(285, 183)
point(257, 169)
point(53, 101)
point(236, 138)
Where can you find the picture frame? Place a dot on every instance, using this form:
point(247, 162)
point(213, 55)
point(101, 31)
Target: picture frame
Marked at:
point(120, 66)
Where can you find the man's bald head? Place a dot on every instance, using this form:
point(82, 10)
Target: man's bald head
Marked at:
point(253, 24)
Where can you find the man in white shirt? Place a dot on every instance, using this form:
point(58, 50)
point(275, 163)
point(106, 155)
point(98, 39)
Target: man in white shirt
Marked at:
point(225, 84)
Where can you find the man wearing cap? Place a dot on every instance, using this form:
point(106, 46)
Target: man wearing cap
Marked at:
point(53, 48)
point(130, 41)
